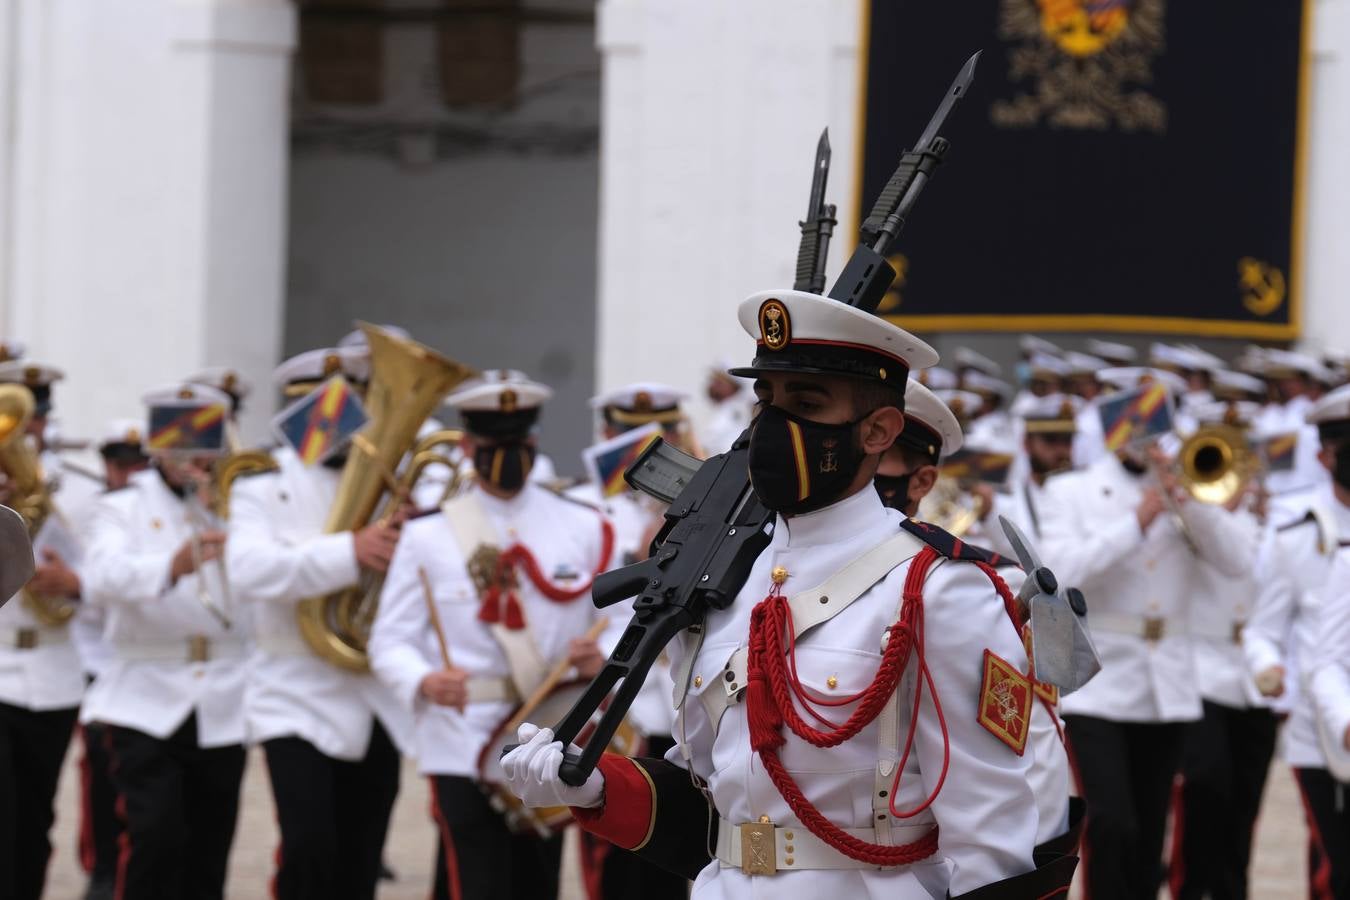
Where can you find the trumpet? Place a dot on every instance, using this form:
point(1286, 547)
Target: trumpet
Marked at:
point(1216, 464)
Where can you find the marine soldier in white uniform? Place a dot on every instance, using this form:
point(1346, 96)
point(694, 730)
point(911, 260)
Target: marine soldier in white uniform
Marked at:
point(1107, 530)
point(804, 803)
point(1328, 685)
point(1226, 754)
point(171, 697)
point(40, 691)
point(331, 736)
point(509, 564)
point(1282, 637)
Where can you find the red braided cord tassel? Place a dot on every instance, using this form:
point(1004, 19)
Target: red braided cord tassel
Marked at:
point(490, 610)
point(1010, 603)
point(519, 554)
point(769, 704)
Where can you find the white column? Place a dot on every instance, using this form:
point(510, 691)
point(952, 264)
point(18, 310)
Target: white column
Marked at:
point(148, 232)
point(711, 111)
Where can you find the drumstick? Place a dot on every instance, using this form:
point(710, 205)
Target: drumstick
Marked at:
point(541, 693)
point(434, 616)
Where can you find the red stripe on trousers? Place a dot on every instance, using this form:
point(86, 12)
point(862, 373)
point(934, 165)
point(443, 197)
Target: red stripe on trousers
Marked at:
point(87, 851)
point(1176, 872)
point(123, 839)
point(447, 842)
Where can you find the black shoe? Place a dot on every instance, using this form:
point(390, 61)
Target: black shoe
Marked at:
point(103, 889)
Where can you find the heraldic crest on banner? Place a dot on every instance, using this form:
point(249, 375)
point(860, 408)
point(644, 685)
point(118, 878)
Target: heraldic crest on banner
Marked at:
point(1084, 63)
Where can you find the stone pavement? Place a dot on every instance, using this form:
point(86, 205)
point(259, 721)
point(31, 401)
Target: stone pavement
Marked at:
point(1278, 871)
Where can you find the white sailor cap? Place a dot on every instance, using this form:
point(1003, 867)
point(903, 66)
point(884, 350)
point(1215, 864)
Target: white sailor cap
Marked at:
point(302, 373)
point(186, 392)
point(641, 403)
point(966, 358)
point(357, 338)
point(37, 378)
point(499, 403)
point(1252, 360)
point(1127, 378)
point(963, 404)
point(223, 378)
point(984, 384)
point(1331, 414)
point(1182, 358)
point(799, 332)
point(1288, 363)
point(1052, 414)
point(1084, 363)
point(1112, 351)
point(1230, 385)
point(1030, 343)
point(1045, 365)
point(931, 429)
point(936, 378)
point(1236, 413)
point(12, 350)
point(120, 433)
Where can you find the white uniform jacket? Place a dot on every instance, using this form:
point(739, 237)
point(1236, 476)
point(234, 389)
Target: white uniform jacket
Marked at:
point(1021, 506)
point(1139, 588)
point(985, 810)
point(1328, 680)
point(1285, 628)
point(1223, 605)
point(565, 538)
point(278, 555)
point(170, 655)
point(40, 666)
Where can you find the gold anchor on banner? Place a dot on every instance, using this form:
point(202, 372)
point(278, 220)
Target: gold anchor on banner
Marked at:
point(1262, 286)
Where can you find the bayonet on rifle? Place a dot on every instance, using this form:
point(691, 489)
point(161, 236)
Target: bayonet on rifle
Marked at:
point(818, 225)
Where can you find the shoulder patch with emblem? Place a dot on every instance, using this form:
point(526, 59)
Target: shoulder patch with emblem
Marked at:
point(1005, 702)
point(949, 546)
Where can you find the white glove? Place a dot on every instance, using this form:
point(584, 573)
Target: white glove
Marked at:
point(532, 772)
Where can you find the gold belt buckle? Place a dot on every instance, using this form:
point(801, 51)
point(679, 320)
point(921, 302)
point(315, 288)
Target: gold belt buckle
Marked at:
point(26, 639)
point(759, 855)
point(1154, 628)
point(1237, 631)
point(199, 648)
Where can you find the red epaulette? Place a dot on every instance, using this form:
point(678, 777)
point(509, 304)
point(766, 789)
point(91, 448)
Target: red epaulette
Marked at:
point(949, 546)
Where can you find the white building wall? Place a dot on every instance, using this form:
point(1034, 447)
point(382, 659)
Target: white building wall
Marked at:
point(144, 228)
point(711, 112)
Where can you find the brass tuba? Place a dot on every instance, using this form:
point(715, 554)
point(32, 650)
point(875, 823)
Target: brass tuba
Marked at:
point(950, 506)
point(407, 382)
point(29, 493)
point(1216, 463)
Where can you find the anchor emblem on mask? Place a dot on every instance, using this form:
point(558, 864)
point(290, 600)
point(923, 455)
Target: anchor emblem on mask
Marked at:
point(829, 462)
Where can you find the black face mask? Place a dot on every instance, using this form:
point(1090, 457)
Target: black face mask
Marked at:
point(1341, 473)
point(504, 465)
point(797, 465)
point(894, 490)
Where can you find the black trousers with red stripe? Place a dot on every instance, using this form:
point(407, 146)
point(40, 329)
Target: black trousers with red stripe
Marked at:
point(1224, 763)
point(179, 803)
point(1326, 802)
point(479, 857)
point(334, 816)
point(100, 825)
point(1126, 771)
point(32, 748)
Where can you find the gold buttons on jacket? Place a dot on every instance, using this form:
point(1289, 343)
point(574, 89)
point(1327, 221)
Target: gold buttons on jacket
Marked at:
point(779, 575)
point(698, 681)
point(832, 682)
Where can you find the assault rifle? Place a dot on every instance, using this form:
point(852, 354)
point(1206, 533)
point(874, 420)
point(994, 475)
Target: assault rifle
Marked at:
point(715, 526)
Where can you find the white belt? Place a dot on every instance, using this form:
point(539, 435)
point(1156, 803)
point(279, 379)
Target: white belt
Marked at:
point(285, 644)
point(487, 689)
point(762, 848)
point(32, 638)
point(196, 648)
point(1150, 628)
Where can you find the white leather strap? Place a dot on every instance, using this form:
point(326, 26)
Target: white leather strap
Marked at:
point(472, 530)
point(795, 848)
point(485, 689)
point(283, 644)
point(1150, 628)
point(191, 649)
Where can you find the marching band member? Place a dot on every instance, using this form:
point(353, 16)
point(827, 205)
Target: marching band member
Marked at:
point(40, 680)
point(1112, 352)
point(1226, 754)
point(797, 811)
point(992, 427)
point(968, 362)
point(1282, 637)
point(171, 697)
point(508, 565)
point(731, 400)
point(331, 736)
point(234, 385)
point(1107, 530)
point(123, 453)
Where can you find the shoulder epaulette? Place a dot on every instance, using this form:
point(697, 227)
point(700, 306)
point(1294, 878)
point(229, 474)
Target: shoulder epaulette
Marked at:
point(558, 488)
point(1309, 516)
point(949, 546)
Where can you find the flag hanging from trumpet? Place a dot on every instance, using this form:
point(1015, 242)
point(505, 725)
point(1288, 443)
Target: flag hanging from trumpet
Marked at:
point(969, 464)
point(320, 423)
point(1136, 416)
point(187, 427)
point(1125, 165)
point(606, 461)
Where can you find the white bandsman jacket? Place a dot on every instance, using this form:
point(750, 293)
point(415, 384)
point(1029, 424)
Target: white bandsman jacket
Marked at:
point(1139, 587)
point(1328, 680)
point(566, 540)
point(1223, 605)
point(278, 555)
point(986, 811)
point(171, 656)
